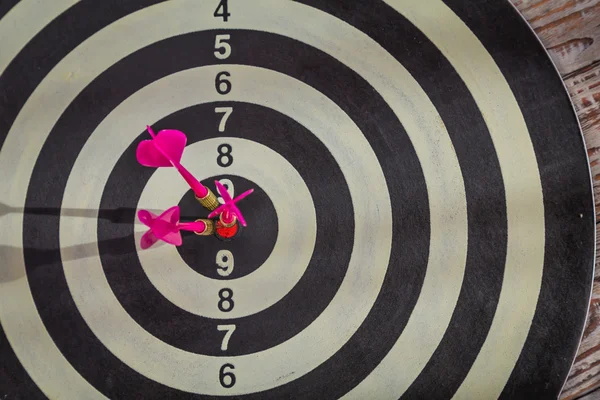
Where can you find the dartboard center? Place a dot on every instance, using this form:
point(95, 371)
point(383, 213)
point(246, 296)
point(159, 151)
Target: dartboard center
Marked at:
point(247, 247)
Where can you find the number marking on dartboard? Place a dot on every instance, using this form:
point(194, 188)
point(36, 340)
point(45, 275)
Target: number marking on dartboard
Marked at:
point(224, 258)
point(226, 300)
point(222, 11)
point(228, 329)
point(222, 48)
point(225, 262)
point(225, 158)
point(229, 375)
point(226, 114)
point(223, 85)
point(230, 189)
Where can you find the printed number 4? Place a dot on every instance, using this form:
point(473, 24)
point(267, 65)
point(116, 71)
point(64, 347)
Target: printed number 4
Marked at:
point(224, 11)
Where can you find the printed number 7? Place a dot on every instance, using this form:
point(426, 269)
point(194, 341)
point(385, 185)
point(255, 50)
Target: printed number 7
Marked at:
point(229, 329)
point(226, 113)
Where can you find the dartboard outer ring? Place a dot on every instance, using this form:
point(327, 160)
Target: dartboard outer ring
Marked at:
point(466, 176)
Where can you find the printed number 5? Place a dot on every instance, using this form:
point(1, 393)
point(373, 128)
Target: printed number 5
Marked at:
point(221, 44)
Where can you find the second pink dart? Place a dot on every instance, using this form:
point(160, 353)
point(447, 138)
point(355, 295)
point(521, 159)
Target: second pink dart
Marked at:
point(166, 227)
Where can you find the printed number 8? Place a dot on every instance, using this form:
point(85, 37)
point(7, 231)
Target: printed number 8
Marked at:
point(225, 158)
point(226, 300)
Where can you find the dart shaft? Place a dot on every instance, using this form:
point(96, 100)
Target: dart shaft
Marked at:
point(199, 189)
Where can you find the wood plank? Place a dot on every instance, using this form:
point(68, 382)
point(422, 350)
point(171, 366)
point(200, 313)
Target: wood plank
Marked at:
point(569, 29)
point(584, 89)
point(595, 395)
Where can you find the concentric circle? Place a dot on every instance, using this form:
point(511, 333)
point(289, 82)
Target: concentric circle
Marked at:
point(417, 260)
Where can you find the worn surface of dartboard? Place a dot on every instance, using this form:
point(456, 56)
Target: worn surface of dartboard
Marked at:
point(422, 225)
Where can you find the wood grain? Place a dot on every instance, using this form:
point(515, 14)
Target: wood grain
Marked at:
point(570, 31)
point(595, 395)
point(568, 28)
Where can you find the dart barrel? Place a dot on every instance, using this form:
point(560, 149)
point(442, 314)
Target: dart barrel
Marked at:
point(209, 201)
point(210, 227)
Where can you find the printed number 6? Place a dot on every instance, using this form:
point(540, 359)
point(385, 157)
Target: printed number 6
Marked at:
point(230, 375)
point(222, 85)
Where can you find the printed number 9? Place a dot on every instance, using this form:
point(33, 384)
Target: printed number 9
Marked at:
point(229, 186)
point(224, 262)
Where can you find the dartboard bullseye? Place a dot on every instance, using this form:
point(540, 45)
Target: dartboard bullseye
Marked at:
point(287, 199)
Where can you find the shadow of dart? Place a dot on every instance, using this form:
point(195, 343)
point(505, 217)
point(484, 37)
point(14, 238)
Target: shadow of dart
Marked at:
point(39, 257)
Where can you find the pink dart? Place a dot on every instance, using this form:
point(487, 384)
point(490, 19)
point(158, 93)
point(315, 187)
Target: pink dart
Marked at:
point(229, 209)
point(165, 150)
point(166, 227)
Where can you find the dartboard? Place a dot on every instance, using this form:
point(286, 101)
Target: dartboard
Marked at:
point(421, 221)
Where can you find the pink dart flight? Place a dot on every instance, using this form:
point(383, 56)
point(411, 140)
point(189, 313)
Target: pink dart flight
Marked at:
point(166, 227)
point(229, 209)
point(165, 150)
